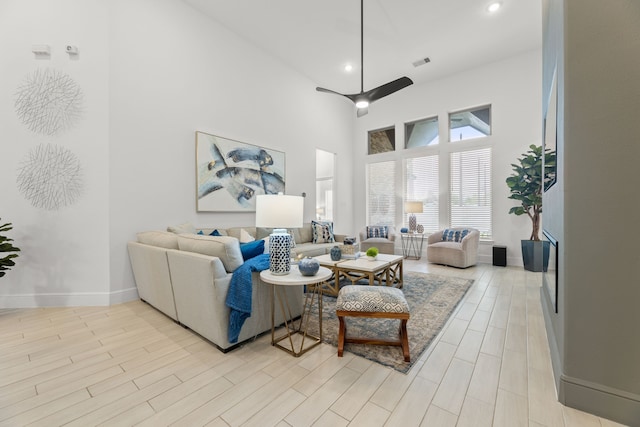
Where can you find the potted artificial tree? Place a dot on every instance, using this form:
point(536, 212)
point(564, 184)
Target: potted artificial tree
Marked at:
point(6, 246)
point(526, 184)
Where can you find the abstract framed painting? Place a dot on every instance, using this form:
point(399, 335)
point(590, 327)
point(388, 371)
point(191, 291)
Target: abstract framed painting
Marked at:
point(230, 174)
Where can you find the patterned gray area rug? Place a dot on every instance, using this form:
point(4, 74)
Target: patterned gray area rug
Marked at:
point(431, 297)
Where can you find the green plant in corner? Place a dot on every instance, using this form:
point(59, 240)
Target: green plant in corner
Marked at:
point(6, 246)
point(372, 252)
point(528, 180)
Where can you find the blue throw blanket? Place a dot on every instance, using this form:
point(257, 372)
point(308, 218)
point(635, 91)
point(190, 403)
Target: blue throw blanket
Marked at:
point(239, 295)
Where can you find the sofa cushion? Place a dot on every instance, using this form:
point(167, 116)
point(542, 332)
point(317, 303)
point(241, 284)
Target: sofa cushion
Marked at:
point(252, 249)
point(292, 233)
point(162, 239)
point(245, 237)
point(262, 232)
point(381, 231)
point(224, 247)
point(449, 235)
point(237, 232)
point(322, 232)
point(305, 234)
point(187, 227)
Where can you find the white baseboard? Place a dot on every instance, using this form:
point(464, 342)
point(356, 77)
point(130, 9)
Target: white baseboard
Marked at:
point(77, 299)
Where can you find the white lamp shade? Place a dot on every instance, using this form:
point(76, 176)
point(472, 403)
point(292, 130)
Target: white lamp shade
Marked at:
point(413, 207)
point(279, 211)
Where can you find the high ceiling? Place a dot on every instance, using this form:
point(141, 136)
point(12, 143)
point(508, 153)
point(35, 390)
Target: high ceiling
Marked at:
point(318, 38)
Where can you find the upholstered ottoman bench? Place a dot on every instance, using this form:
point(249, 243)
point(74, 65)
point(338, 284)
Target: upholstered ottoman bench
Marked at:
point(380, 302)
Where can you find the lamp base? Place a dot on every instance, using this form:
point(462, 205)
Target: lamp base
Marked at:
point(280, 252)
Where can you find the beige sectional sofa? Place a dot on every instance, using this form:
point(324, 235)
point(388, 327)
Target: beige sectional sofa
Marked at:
point(186, 276)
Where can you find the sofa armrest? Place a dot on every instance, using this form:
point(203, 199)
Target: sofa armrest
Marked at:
point(471, 240)
point(434, 237)
point(200, 285)
point(392, 234)
point(151, 273)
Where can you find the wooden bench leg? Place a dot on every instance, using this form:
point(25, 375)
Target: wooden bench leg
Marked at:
point(341, 335)
point(404, 338)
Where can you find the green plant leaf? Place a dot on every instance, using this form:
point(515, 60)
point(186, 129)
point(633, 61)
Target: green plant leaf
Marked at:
point(526, 182)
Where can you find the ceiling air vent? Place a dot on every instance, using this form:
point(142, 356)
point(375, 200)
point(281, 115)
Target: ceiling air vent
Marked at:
point(420, 62)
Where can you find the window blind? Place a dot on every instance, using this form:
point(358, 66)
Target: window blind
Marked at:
point(381, 205)
point(470, 196)
point(421, 184)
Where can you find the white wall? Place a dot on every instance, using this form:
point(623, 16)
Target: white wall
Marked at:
point(512, 87)
point(174, 71)
point(64, 258)
point(594, 336)
point(153, 72)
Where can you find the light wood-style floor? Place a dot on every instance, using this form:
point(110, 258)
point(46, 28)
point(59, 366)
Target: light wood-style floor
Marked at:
point(130, 365)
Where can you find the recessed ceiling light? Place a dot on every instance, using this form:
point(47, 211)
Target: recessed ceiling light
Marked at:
point(494, 6)
point(348, 68)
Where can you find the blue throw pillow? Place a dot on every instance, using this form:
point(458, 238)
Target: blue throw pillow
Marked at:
point(454, 235)
point(252, 249)
point(213, 233)
point(378, 231)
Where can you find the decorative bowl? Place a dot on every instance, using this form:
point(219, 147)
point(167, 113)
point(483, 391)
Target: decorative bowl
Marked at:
point(371, 258)
point(308, 266)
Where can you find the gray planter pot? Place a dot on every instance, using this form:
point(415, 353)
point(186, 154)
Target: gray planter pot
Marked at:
point(535, 255)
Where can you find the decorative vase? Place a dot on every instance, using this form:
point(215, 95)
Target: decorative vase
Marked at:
point(336, 253)
point(279, 252)
point(412, 223)
point(420, 228)
point(308, 266)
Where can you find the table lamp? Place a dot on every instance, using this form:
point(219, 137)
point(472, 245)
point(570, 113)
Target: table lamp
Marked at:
point(413, 208)
point(279, 212)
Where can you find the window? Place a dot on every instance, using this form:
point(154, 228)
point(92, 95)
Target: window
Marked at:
point(471, 123)
point(421, 133)
point(382, 140)
point(421, 184)
point(324, 185)
point(381, 204)
point(470, 196)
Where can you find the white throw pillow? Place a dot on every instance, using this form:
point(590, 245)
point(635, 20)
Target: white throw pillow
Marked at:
point(245, 237)
point(223, 247)
point(187, 227)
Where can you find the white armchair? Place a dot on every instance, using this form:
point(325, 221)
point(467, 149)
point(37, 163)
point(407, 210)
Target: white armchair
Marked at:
point(462, 253)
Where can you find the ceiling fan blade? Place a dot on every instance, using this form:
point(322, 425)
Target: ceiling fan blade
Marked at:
point(362, 111)
point(388, 88)
point(373, 94)
point(321, 89)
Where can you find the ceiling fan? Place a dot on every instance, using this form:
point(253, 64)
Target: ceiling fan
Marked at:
point(363, 99)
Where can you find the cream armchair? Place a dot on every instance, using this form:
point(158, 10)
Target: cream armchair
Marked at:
point(386, 245)
point(462, 254)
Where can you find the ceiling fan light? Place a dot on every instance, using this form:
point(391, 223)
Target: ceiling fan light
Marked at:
point(362, 103)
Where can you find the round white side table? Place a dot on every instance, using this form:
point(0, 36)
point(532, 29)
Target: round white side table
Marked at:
point(296, 347)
